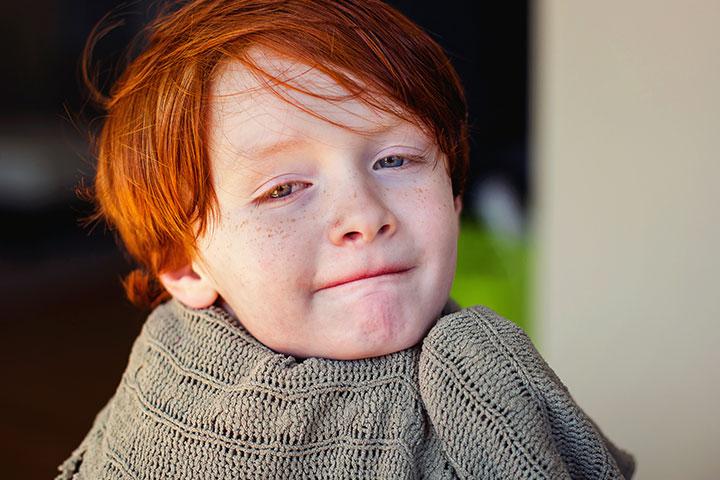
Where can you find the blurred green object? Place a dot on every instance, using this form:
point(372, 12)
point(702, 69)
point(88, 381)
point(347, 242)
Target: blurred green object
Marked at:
point(493, 271)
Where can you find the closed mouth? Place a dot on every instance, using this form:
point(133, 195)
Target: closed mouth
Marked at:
point(365, 275)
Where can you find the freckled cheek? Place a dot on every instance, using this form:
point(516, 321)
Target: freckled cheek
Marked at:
point(430, 204)
point(279, 250)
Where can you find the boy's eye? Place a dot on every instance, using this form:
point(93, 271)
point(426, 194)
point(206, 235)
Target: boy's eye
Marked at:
point(393, 161)
point(285, 189)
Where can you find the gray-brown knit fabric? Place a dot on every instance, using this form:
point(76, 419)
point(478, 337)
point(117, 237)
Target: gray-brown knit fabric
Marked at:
point(203, 399)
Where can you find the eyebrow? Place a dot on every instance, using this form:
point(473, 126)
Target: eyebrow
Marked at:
point(266, 150)
point(276, 147)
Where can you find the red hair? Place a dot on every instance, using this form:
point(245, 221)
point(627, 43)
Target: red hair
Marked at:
point(153, 172)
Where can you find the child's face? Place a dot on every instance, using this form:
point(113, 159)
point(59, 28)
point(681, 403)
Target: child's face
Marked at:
point(307, 209)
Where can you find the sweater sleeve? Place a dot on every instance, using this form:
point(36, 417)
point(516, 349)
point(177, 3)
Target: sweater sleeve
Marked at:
point(501, 412)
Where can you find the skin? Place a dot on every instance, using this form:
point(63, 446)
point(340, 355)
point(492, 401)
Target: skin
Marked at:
point(331, 205)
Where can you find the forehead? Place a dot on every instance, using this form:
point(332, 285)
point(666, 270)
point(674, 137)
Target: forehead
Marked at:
point(250, 110)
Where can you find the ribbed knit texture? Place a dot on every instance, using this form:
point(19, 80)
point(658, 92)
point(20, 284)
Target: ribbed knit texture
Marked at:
point(201, 398)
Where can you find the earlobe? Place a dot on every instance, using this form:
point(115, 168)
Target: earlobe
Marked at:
point(188, 286)
point(458, 204)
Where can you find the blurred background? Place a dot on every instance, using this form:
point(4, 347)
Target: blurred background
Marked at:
point(591, 216)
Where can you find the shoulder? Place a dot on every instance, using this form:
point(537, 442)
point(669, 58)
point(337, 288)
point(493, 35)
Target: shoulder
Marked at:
point(482, 334)
point(477, 348)
point(500, 410)
point(481, 354)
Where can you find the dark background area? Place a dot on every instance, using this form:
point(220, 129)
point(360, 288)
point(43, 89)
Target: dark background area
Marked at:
point(66, 327)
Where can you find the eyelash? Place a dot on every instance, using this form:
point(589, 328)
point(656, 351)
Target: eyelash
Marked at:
point(268, 195)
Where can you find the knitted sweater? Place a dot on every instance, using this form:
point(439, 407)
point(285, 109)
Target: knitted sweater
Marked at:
point(201, 398)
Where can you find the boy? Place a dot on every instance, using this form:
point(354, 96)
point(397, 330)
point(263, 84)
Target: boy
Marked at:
point(288, 176)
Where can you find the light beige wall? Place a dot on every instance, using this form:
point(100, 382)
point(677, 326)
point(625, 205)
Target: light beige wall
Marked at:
point(627, 168)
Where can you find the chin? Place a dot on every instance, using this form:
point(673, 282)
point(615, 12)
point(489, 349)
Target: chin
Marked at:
point(377, 329)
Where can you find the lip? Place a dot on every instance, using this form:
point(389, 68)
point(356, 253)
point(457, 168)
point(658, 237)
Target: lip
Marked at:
point(365, 274)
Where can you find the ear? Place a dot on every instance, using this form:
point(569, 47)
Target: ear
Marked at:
point(458, 204)
point(190, 287)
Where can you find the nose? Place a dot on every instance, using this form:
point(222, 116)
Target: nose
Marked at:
point(361, 217)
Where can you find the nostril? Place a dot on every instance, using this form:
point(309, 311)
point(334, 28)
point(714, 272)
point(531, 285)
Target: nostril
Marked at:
point(366, 235)
point(352, 236)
